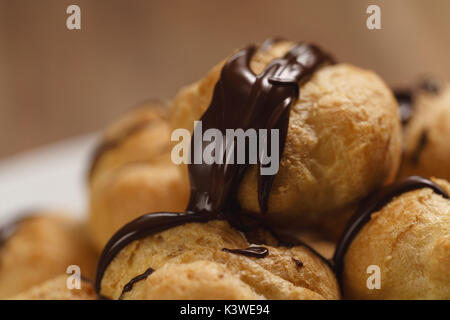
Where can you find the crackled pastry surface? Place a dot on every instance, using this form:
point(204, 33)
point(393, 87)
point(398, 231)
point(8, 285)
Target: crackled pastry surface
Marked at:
point(41, 247)
point(343, 141)
point(190, 263)
point(426, 147)
point(158, 255)
point(409, 240)
point(132, 173)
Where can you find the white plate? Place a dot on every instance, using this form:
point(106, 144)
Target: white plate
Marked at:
point(50, 177)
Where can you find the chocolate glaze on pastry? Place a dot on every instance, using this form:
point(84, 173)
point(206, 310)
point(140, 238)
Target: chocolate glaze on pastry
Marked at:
point(129, 286)
point(375, 203)
point(241, 100)
point(141, 227)
point(430, 85)
point(405, 104)
point(244, 100)
point(405, 97)
point(298, 262)
point(255, 252)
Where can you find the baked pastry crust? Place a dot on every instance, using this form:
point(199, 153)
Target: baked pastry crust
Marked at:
point(134, 175)
point(426, 147)
point(56, 289)
point(409, 240)
point(343, 141)
point(190, 263)
point(41, 247)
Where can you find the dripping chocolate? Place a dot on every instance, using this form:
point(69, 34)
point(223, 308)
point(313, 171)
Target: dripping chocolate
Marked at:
point(241, 100)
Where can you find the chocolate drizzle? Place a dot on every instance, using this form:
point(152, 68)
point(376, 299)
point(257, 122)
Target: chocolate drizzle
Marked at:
point(255, 252)
point(430, 85)
point(406, 97)
point(298, 262)
point(129, 286)
point(244, 100)
point(141, 227)
point(288, 241)
point(241, 100)
point(375, 203)
point(405, 104)
point(6, 231)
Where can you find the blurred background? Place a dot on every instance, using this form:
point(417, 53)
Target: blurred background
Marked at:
point(56, 83)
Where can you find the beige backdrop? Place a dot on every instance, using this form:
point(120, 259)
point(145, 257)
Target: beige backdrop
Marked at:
point(56, 83)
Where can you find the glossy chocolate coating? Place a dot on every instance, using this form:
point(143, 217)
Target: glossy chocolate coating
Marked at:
point(405, 97)
point(244, 100)
point(129, 286)
point(141, 227)
point(405, 104)
point(255, 252)
point(298, 262)
point(241, 100)
point(373, 204)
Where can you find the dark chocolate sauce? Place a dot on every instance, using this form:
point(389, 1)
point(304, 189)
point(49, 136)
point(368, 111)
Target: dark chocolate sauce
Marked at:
point(289, 241)
point(415, 157)
point(244, 100)
point(241, 100)
point(129, 286)
point(373, 204)
point(255, 252)
point(430, 85)
point(405, 104)
point(405, 97)
point(298, 262)
point(109, 144)
point(141, 227)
